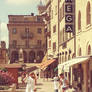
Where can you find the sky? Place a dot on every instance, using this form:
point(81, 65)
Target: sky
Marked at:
point(14, 7)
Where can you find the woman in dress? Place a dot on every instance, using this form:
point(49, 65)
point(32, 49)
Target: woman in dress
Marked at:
point(30, 87)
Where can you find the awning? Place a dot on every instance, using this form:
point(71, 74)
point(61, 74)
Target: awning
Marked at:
point(44, 58)
point(65, 66)
point(46, 63)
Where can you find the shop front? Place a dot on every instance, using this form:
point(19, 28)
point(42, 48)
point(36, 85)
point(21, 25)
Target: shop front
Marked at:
point(48, 67)
point(80, 73)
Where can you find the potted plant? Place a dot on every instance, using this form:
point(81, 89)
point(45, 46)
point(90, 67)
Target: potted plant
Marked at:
point(6, 80)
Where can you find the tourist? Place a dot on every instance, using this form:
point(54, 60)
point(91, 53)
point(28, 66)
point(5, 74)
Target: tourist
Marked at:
point(56, 83)
point(30, 87)
point(63, 83)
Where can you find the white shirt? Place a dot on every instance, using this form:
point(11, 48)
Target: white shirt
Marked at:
point(30, 85)
point(55, 82)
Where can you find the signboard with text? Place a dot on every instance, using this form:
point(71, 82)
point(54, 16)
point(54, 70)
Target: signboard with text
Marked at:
point(69, 16)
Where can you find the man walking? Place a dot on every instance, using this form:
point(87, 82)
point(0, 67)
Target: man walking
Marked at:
point(63, 83)
point(56, 83)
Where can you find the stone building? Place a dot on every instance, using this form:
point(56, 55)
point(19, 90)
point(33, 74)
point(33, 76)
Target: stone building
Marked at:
point(3, 53)
point(74, 25)
point(26, 34)
point(76, 60)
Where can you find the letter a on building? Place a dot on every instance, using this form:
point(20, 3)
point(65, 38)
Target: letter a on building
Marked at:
point(68, 28)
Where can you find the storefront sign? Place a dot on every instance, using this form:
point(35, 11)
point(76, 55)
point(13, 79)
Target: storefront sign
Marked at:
point(69, 15)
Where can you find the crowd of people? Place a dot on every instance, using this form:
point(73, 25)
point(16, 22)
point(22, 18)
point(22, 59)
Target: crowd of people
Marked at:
point(61, 83)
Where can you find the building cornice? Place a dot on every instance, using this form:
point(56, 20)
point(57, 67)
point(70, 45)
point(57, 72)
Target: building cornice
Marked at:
point(26, 24)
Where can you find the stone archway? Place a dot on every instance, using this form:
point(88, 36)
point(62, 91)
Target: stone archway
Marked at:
point(40, 55)
point(31, 56)
point(14, 56)
point(25, 56)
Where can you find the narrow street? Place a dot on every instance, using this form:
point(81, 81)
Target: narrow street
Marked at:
point(42, 86)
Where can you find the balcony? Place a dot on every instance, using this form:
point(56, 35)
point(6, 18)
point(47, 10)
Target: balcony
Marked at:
point(27, 36)
point(11, 46)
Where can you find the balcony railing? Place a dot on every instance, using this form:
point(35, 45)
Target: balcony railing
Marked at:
point(27, 36)
point(26, 47)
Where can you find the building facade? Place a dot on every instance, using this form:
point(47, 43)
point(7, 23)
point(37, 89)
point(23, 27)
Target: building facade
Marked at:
point(76, 55)
point(26, 34)
point(73, 22)
point(3, 53)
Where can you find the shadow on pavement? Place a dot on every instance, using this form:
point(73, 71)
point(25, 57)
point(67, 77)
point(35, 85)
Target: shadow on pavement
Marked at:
point(39, 84)
point(38, 88)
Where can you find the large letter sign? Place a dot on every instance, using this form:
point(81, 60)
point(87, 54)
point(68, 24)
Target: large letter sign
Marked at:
point(69, 15)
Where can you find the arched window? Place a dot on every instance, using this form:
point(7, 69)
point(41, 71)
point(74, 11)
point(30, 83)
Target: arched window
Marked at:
point(88, 12)
point(89, 50)
point(31, 56)
point(25, 56)
point(14, 56)
point(69, 57)
point(79, 20)
point(62, 59)
point(80, 52)
point(40, 55)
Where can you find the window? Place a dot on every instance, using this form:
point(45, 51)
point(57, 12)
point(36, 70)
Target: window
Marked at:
point(13, 19)
point(80, 52)
point(14, 31)
point(39, 30)
point(0, 52)
point(79, 20)
point(61, 37)
point(63, 34)
point(62, 59)
point(38, 19)
point(14, 43)
point(88, 13)
point(26, 44)
point(55, 10)
point(26, 30)
point(69, 57)
point(54, 29)
point(39, 42)
point(52, 14)
point(50, 44)
point(54, 46)
point(89, 50)
point(62, 10)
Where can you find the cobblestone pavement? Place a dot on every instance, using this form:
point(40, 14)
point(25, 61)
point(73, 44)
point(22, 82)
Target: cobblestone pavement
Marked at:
point(42, 86)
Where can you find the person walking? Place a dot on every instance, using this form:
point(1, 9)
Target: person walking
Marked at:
point(63, 83)
point(56, 83)
point(30, 87)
